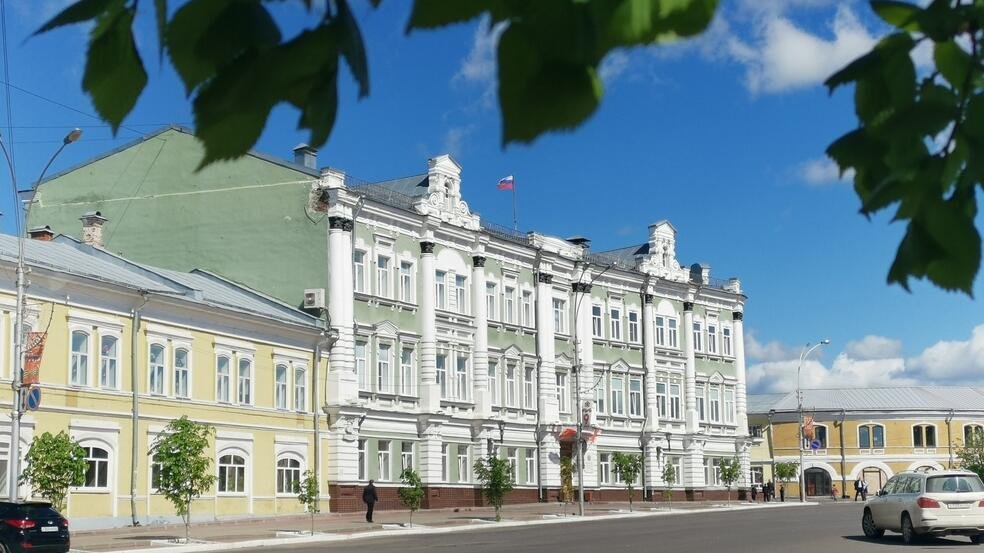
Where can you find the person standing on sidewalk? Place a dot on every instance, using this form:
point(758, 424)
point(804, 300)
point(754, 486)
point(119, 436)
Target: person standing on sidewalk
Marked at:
point(833, 492)
point(370, 498)
point(782, 493)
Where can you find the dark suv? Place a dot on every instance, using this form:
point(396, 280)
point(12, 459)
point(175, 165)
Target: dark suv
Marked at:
point(32, 527)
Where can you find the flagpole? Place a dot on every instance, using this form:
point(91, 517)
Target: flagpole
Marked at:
point(515, 220)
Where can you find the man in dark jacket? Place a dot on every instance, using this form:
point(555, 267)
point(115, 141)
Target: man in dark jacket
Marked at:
point(370, 498)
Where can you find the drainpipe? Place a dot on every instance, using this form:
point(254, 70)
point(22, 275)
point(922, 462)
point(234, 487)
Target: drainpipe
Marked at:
point(642, 449)
point(327, 340)
point(949, 438)
point(843, 456)
point(135, 414)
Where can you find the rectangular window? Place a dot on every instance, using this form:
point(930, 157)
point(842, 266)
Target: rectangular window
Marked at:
point(280, 386)
point(383, 276)
point(363, 461)
point(596, 321)
point(635, 397)
point(729, 406)
point(407, 378)
point(528, 308)
point(712, 471)
point(712, 338)
point(445, 467)
point(157, 369)
point(109, 361)
point(300, 389)
point(509, 304)
point(676, 462)
point(701, 409)
point(698, 342)
point(618, 395)
point(361, 368)
point(671, 333)
point(406, 455)
point(440, 290)
point(529, 455)
point(245, 382)
point(512, 457)
point(494, 384)
point(461, 376)
point(222, 379)
point(79, 369)
point(560, 316)
point(562, 394)
point(930, 436)
point(181, 373)
point(601, 392)
point(660, 329)
point(463, 464)
point(511, 385)
point(406, 281)
point(383, 458)
point(529, 388)
point(661, 398)
point(605, 468)
point(616, 324)
point(878, 437)
point(441, 365)
point(714, 402)
point(864, 437)
point(675, 402)
point(384, 375)
point(634, 327)
point(460, 294)
point(726, 341)
point(359, 272)
point(490, 292)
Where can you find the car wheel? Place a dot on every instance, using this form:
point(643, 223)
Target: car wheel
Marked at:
point(4, 548)
point(908, 532)
point(976, 539)
point(868, 526)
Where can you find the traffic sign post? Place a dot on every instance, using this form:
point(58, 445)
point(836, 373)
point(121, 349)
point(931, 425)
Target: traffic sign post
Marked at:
point(32, 399)
point(815, 445)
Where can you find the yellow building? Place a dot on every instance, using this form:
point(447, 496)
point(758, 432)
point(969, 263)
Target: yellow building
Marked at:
point(867, 433)
point(129, 348)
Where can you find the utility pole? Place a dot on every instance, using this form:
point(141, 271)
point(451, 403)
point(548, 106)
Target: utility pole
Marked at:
point(799, 410)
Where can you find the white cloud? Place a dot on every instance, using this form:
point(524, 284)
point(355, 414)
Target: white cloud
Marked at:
point(844, 372)
point(454, 139)
point(767, 352)
point(479, 66)
point(874, 347)
point(955, 362)
point(822, 171)
point(614, 64)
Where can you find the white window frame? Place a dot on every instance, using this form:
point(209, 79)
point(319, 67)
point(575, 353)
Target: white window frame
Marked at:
point(601, 394)
point(672, 332)
point(495, 383)
point(696, 336)
point(463, 463)
point(219, 465)
point(596, 320)
point(509, 304)
point(491, 297)
point(563, 396)
point(618, 394)
point(714, 403)
point(527, 301)
point(512, 388)
point(726, 341)
point(362, 364)
point(559, 306)
point(363, 459)
point(676, 400)
point(115, 383)
point(441, 290)
point(106, 463)
point(700, 391)
point(281, 388)
point(461, 294)
point(604, 468)
point(359, 271)
point(615, 323)
point(250, 388)
point(633, 325)
point(529, 456)
point(636, 405)
point(299, 375)
point(408, 376)
point(291, 474)
point(406, 455)
point(407, 289)
point(384, 460)
point(161, 379)
point(659, 325)
point(75, 358)
point(712, 337)
point(729, 405)
point(662, 398)
point(228, 356)
point(384, 368)
point(529, 387)
point(176, 370)
point(384, 281)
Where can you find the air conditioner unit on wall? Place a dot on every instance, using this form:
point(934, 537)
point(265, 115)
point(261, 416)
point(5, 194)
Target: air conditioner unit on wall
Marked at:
point(314, 298)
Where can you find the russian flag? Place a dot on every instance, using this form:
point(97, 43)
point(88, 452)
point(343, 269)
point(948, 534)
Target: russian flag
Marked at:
point(505, 183)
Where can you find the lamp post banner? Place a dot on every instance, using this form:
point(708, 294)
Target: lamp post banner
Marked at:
point(32, 357)
point(809, 430)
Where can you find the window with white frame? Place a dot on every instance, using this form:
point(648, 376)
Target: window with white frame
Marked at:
point(714, 403)
point(232, 474)
point(223, 378)
point(408, 379)
point(527, 308)
point(384, 373)
point(509, 304)
point(245, 382)
point(182, 372)
point(529, 456)
point(490, 295)
point(463, 464)
point(676, 462)
point(512, 457)
point(359, 270)
point(157, 370)
point(384, 461)
point(671, 333)
point(406, 281)
point(511, 385)
point(756, 475)
point(156, 467)
point(712, 471)
point(79, 362)
point(661, 399)
point(529, 387)
point(729, 405)
point(560, 315)
point(300, 388)
point(819, 434)
point(712, 338)
point(618, 395)
point(445, 463)
point(601, 393)
point(361, 364)
point(280, 386)
point(363, 460)
point(676, 411)
point(697, 336)
point(562, 394)
point(634, 327)
point(659, 328)
point(461, 377)
point(726, 341)
point(596, 322)
point(605, 468)
point(108, 361)
point(615, 320)
point(441, 373)
point(700, 393)
point(406, 455)
point(441, 289)
point(288, 475)
point(871, 436)
point(461, 294)
point(494, 384)
point(635, 397)
point(383, 276)
point(96, 467)
point(973, 432)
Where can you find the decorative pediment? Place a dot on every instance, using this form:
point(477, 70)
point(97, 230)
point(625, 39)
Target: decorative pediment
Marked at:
point(512, 352)
point(716, 378)
point(619, 365)
point(386, 329)
point(443, 199)
point(563, 359)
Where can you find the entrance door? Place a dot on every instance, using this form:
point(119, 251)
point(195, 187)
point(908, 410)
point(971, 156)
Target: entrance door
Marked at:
point(817, 482)
point(875, 479)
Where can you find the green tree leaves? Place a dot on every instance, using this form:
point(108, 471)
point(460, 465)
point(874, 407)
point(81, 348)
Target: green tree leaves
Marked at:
point(54, 462)
point(628, 466)
point(185, 464)
point(912, 148)
point(308, 494)
point(412, 492)
point(495, 475)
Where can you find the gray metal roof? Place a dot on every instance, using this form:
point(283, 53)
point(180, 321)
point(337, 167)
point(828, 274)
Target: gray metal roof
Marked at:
point(69, 256)
point(915, 398)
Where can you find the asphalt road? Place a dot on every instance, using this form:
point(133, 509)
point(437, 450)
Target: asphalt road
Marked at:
point(828, 528)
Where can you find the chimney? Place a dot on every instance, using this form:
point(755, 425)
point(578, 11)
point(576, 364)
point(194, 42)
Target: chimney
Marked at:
point(92, 223)
point(43, 234)
point(306, 155)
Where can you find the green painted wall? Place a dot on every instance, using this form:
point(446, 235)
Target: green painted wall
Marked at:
point(161, 212)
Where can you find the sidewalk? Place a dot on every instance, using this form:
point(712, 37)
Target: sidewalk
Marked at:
point(260, 532)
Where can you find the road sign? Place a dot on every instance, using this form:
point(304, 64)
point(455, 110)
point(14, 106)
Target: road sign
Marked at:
point(815, 444)
point(32, 399)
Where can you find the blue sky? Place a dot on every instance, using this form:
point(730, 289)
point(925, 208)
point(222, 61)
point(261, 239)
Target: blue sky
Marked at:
point(723, 135)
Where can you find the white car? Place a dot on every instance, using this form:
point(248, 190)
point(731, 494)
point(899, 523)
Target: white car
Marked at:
point(939, 503)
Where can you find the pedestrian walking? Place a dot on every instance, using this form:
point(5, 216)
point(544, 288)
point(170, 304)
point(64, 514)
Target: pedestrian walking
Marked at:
point(370, 498)
point(782, 493)
point(857, 489)
point(754, 493)
point(864, 491)
point(833, 492)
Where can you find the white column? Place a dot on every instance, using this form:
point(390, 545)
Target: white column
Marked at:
point(342, 383)
point(741, 401)
point(480, 355)
point(429, 449)
point(547, 401)
point(690, 373)
point(652, 460)
point(693, 465)
point(649, 361)
point(430, 392)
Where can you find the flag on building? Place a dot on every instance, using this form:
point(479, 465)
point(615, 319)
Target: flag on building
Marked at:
point(506, 183)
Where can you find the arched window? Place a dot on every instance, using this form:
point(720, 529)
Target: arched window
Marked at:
point(181, 370)
point(924, 435)
point(972, 431)
point(244, 396)
point(232, 474)
point(871, 436)
point(108, 361)
point(819, 434)
point(280, 386)
point(79, 369)
point(222, 378)
point(156, 382)
point(97, 467)
point(288, 475)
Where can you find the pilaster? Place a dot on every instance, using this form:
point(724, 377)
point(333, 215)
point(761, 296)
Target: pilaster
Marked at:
point(690, 373)
point(741, 396)
point(480, 353)
point(430, 391)
point(649, 360)
point(547, 399)
point(342, 383)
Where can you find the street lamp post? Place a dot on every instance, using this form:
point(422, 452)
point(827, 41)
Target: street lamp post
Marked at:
point(807, 350)
point(18, 373)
